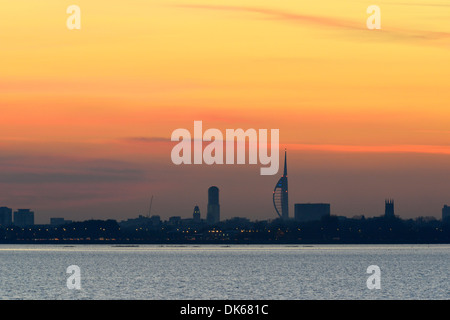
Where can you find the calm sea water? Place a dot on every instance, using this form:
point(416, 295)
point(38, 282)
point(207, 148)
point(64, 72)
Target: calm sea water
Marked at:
point(224, 272)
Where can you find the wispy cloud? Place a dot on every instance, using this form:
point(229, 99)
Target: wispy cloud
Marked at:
point(54, 169)
point(417, 4)
point(282, 15)
point(145, 139)
point(424, 149)
point(385, 33)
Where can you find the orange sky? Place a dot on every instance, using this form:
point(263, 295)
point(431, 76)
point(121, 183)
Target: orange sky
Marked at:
point(105, 99)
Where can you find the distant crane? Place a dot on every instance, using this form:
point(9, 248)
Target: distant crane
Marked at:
point(150, 208)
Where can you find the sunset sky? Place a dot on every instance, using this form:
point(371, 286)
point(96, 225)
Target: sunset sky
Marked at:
point(87, 115)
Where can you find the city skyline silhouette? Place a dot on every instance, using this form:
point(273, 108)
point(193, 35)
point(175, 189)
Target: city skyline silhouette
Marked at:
point(270, 206)
point(321, 226)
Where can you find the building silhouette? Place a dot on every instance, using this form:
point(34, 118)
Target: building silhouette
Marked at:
point(175, 221)
point(446, 213)
point(213, 213)
point(280, 194)
point(311, 211)
point(389, 208)
point(59, 221)
point(155, 220)
point(5, 216)
point(23, 218)
point(196, 215)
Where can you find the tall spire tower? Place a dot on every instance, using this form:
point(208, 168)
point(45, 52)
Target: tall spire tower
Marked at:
point(280, 193)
